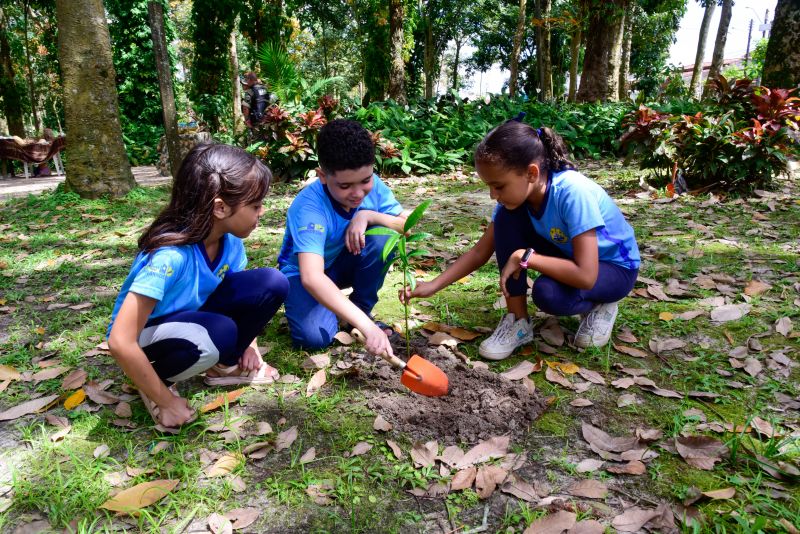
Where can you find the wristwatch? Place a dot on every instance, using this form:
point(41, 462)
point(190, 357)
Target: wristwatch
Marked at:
point(525, 257)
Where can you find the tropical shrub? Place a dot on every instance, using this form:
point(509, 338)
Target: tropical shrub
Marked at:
point(739, 140)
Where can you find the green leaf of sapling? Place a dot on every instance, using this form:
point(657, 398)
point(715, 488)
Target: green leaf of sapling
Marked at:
point(390, 245)
point(381, 230)
point(416, 215)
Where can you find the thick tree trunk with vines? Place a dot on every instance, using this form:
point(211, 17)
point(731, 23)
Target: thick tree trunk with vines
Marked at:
point(12, 99)
point(600, 38)
point(617, 29)
point(782, 65)
point(96, 161)
point(697, 71)
point(719, 43)
point(397, 72)
point(514, 63)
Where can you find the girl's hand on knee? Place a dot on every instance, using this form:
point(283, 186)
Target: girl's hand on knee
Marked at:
point(511, 268)
point(250, 360)
point(175, 413)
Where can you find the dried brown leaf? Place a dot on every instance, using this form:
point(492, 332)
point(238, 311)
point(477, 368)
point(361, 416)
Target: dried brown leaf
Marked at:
point(381, 424)
point(589, 488)
point(604, 442)
point(224, 465)
point(74, 380)
point(316, 361)
point(725, 493)
point(423, 454)
point(286, 438)
point(634, 467)
point(139, 496)
point(553, 524)
point(308, 456)
point(495, 447)
point(633, 519)
point(26, 408)
point(362, 447)
point(557, 378)
point(242, 517)
point(463, 479)
point(519, 371)
point(487, 479)
point(700, 451)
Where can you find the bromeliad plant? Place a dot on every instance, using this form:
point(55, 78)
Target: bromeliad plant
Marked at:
point(397, 244)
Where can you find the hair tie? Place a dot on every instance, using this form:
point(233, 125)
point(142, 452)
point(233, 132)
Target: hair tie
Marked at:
point(539, 132)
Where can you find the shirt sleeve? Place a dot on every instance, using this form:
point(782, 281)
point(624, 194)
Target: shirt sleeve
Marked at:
point(385, 199)
point(579, 210)
point(159, 274)
point(246, 95)
point(308, 227)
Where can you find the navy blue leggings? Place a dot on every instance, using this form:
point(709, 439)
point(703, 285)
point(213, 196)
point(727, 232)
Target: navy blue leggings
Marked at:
point(183, 344)
point(513, 230)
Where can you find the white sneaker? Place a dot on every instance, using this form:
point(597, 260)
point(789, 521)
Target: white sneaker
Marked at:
point(595, 329)
point(508, 335)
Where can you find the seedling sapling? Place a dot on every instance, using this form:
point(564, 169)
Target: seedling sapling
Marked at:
point(398, 244)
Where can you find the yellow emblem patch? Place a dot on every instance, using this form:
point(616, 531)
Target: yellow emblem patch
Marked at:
point(557, 236)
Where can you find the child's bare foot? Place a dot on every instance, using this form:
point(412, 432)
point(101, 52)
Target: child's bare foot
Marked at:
point(220, 375)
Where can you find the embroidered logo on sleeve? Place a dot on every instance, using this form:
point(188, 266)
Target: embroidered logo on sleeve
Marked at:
point(222, 270)
point(162, 270)
point(557, 235)
point(312, 227)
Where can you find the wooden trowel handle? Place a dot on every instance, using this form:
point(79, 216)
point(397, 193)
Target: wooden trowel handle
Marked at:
point(394, 360)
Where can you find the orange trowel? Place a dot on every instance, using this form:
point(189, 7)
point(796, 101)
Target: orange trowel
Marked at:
point(420, 375)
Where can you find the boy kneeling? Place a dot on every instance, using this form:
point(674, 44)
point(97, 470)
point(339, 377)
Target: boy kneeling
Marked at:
point(328, 216)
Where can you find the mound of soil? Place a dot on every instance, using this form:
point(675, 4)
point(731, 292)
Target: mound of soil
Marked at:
point(480, 403)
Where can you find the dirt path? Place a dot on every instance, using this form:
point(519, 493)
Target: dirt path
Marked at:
point(20, 187)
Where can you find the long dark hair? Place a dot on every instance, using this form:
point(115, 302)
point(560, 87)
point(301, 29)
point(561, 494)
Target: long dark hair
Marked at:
point(209, 171)
point(515, 145)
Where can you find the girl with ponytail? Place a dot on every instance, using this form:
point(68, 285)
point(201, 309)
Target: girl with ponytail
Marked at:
point(188, 305)
point(555, 221)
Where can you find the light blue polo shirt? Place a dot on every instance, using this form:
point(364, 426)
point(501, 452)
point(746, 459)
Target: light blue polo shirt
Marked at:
point(574, 204)
point(317, 223)
point(180, 278)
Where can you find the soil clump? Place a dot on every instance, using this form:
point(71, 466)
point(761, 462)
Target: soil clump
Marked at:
point(480, 404)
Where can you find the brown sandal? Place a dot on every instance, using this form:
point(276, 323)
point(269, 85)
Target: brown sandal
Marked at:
point(233, 376)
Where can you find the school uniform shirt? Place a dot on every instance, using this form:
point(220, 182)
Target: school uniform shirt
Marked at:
point(180, 278)
point(574, 204)
point(317, 223)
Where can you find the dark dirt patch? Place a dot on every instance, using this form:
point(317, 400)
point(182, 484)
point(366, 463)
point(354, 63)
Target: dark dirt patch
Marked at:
point(480, 403)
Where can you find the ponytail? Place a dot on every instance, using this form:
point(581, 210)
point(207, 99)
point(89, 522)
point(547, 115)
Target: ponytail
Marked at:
point(516, 145)
point(557, 154)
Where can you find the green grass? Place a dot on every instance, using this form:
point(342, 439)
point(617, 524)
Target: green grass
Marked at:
point(58, 249)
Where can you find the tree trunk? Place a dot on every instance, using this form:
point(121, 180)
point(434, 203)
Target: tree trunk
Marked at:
point(604, 16)
point(514, 63)
point(12, 98)
point(429, 57)
point(625, 61)
point(697, 71)
point(456, 60)
point(156, 18)
point(575, 53)
point(37, 125)
point(617, 29)
point(719, 43)
point(236, 86)
point(782, 64)
point(96, 160)
point(397, 72)
point(543, 59)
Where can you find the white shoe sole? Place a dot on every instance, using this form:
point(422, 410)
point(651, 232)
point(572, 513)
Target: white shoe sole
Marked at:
point(502, 355)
